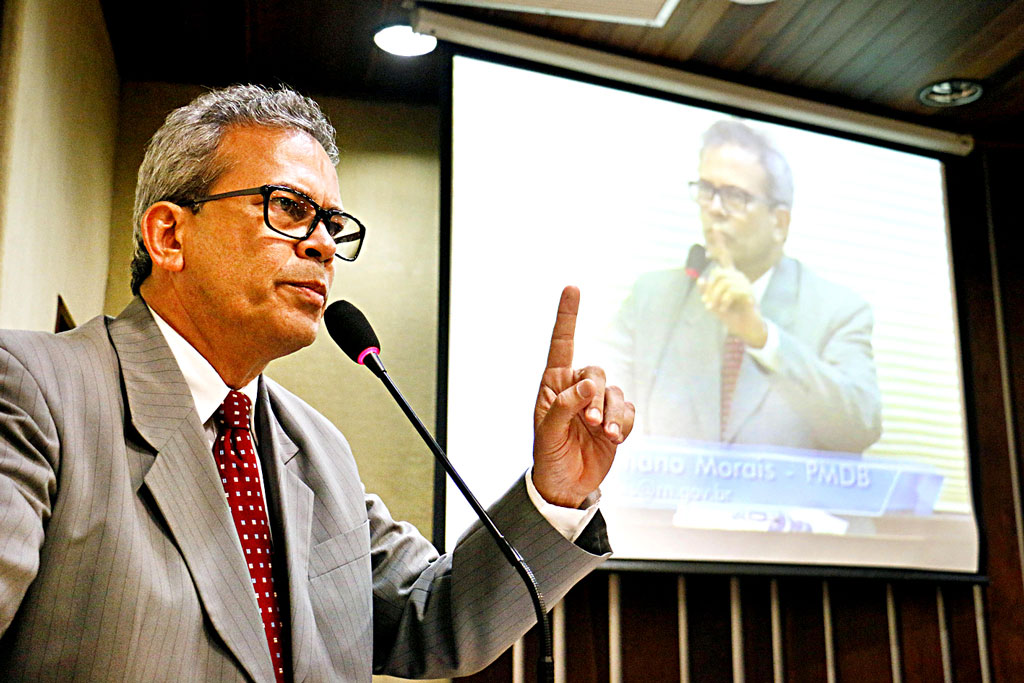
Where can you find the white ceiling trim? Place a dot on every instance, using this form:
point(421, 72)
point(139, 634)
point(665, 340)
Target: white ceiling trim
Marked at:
point(639, 12)
point(644, 74)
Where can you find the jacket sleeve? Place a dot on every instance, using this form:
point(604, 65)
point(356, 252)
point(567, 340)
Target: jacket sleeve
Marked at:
point(29, 450)
point(454, 614)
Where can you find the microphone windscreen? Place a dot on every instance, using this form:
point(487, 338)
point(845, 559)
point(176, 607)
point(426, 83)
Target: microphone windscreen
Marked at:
point(350, 329)
point(696, 261)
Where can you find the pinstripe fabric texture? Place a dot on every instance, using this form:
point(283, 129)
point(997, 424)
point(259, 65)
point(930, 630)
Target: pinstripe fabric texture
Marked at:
point(119, 559)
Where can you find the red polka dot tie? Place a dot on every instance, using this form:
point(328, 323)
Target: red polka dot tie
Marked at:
point(236, 461)
point(732, 358)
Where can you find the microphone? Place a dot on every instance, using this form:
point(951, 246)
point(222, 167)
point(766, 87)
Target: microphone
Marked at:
point(696, 261)
point(350, 330)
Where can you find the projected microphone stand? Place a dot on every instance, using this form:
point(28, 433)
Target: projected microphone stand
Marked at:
point(546, 663)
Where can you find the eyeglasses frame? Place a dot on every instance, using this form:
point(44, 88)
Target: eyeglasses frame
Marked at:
point(716, 191)
point(320, 214)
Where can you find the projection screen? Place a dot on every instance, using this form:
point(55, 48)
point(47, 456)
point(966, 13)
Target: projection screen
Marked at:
point(848, 447)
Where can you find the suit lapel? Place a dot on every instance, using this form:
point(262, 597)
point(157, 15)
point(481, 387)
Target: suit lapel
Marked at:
point(753, 384)
point(294, 503)
point(702, 337)
point(184, 482)
point(698, 338)
point(679, 333)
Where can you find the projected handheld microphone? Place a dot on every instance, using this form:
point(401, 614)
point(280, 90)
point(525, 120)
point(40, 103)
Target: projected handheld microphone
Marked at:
point(696, 261)
point(352, 332)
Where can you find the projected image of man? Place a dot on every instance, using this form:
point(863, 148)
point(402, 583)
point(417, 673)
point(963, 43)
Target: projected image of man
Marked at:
point(746, 345)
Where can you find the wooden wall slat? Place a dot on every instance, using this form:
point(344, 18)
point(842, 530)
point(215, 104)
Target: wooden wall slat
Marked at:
point(963, 635)
point(918, 631)
point(586, 630)
point(531, 650)
point(860, 630)
point(650, 627)
point(803, 630)
point(709, 628)
point(756, 606)
point(1004, 596)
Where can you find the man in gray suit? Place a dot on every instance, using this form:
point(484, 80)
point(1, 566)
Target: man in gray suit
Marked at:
point(120, 558)
point(801, 371)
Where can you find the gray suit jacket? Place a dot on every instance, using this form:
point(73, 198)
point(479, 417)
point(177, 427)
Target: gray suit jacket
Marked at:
point(667, 350)
point(119, 559)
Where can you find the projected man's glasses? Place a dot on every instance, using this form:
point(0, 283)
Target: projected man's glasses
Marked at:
point(734, 199)
point(291, 213)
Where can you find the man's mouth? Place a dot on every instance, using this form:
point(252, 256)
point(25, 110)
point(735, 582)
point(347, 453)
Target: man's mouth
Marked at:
point(314, 290)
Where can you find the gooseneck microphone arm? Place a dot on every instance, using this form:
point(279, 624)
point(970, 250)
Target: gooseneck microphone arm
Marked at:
point(352, 332)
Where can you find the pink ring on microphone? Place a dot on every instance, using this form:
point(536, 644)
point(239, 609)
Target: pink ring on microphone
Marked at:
point(366, 352)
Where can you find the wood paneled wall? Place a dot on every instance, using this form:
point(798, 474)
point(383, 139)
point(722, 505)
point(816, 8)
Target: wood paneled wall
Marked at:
point(642, 626)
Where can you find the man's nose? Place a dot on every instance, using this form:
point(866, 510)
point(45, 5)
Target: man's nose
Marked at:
point(319, 245)
point(716, 204)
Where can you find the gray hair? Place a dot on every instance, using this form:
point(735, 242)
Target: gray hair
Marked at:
point(738, 133)
point(182, 163)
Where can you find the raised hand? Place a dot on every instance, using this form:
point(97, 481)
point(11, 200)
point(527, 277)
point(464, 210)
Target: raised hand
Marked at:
point(578, 421)
point(728, 294)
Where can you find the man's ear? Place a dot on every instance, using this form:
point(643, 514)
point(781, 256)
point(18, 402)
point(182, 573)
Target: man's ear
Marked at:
point(161, 231)
point(781, 229)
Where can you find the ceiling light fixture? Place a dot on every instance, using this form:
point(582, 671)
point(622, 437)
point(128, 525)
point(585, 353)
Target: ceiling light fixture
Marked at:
point(401, 40)
point(951, 93)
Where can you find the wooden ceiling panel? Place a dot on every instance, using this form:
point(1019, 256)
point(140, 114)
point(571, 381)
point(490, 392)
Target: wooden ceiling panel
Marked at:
point(655, 42)
point(792, 38)
point(858, 40)
point(830, 39)
point(623, 35)
point(987, 53)
point(733, 24)
point(871, 55)
point(703, 17)
point(925, 48)
point(881, 62)
point(762, 34)
point(1010, 105)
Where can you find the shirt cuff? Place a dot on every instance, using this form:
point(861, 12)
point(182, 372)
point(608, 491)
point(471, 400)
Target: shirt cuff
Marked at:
point(768, 356)
point(570, 522)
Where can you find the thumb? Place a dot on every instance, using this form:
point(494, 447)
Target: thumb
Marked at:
point(569, 403)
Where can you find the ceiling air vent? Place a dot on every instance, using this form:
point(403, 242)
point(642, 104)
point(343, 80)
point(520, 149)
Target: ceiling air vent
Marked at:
point(642, 12)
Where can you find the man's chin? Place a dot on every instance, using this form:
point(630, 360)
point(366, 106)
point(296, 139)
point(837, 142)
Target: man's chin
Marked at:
point(295, 335)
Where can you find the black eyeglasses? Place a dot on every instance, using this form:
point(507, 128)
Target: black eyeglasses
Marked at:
point(734, 199)
point(291, 213)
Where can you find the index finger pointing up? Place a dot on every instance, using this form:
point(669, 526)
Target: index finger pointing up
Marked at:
point(560, 353)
